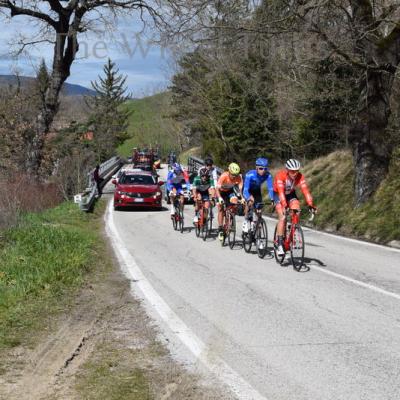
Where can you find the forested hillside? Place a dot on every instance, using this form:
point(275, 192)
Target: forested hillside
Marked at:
point(295, 79)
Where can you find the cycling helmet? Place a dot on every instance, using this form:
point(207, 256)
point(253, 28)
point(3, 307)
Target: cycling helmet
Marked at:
point(208, 161)
point(262, 162)
point(176, 167)
point(234, 169)
point(292, 165)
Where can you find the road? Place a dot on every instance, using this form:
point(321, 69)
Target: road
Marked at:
point(331, 332)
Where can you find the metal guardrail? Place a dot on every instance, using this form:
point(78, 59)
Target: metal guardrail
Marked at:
point(106, 170)
point(194, 163)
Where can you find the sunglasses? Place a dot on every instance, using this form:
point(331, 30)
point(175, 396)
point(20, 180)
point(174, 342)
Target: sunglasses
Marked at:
point(262, 168)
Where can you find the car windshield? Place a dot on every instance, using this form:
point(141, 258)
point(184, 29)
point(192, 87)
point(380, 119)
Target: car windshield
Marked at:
point(137, 180)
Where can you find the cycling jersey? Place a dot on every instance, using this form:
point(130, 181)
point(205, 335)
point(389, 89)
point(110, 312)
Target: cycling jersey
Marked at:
point(176, 180)
point(212, 172)
point(253, 182)
point(226, 182)
point(203, 186)
point(284, 185)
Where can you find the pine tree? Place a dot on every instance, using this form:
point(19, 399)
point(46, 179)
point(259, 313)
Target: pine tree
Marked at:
point(42, 82)
point(108, 118)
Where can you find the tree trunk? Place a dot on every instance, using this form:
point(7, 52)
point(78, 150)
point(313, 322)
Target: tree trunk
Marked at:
point(371, 152)
point(65, 49)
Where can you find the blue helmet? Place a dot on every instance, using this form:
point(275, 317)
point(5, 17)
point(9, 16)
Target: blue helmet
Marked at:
point(176, 167)
point(262, 162)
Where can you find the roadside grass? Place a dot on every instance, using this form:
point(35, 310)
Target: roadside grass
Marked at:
point(149, 124)
point(331, 180)
point(42, 261)
point(109, 376)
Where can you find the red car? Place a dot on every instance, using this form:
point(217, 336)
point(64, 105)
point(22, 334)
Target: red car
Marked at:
point(137, 189)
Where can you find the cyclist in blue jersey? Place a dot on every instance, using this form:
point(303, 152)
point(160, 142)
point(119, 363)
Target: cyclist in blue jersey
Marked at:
point(252, 188)
point(176, 177)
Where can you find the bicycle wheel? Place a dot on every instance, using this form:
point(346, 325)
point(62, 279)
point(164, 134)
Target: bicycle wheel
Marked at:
point(278, 259)
point(261, 238)
point(232, 231)
point(297, 248)
point(247, 238)
point(197, 226)
point(181, 219)
point(210, 219)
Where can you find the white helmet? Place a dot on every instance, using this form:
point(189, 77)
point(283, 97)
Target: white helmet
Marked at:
point(293, 164)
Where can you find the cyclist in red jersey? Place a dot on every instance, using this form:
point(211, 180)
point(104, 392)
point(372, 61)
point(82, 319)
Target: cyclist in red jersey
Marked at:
point(285, 183)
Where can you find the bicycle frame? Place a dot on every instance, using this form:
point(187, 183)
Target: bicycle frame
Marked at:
point(290, 227)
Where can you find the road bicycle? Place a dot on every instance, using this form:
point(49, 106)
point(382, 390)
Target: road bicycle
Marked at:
point(258, 232)
point(229, 226)
point(293, 239)
point(178, 218)
point(203, 226)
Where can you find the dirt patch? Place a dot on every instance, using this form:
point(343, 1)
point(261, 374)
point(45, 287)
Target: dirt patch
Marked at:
point(104, 347)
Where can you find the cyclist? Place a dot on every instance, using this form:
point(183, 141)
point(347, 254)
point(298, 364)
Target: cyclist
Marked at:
point(228, 189)
point(175, 179)
point(209, 166)
point(252, 188)
point(203, 188)
point(285, 183)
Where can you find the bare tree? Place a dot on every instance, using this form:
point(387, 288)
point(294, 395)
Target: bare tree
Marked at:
point(62, 23)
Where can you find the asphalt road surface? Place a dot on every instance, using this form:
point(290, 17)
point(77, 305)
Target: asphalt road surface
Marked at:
point(330, 332)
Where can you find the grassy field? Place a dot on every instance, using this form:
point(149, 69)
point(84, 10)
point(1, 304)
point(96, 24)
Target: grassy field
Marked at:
point(331, 180)
point(149, 124)
point(41, 262)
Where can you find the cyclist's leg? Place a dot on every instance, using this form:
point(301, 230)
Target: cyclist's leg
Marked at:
point(280, 226)
point(221, 209)
point(197, 202)
point(294, 205)
point(172, 195)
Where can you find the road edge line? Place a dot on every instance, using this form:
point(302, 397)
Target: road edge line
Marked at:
point(221, 370)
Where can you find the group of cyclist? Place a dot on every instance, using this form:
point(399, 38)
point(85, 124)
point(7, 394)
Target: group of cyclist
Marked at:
point(230, 188)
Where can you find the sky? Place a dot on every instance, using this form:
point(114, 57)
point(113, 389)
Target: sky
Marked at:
point(145, 64)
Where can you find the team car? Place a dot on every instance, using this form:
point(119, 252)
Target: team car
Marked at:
point(136, 188)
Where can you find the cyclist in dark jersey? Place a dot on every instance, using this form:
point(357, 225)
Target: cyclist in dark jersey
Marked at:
point(203, 188)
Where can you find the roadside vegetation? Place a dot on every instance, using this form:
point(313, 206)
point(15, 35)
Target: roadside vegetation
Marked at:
point(43, 260)
point(150, 124)
point(331, 179)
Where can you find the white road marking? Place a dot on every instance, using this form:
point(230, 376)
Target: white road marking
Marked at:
point(216, 365)
point(358, 283)
point(381, 246)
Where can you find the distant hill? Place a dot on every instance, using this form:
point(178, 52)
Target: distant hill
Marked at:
point(69, 89)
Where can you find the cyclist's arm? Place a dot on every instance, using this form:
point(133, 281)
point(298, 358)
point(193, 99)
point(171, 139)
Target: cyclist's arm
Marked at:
point(215, 175)
point(169, 179)
point(306, 191)
point(281, 192)
point(246, 187)
point(270, 187)
point(186, 178)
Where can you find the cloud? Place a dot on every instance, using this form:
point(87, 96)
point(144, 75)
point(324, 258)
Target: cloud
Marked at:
point(140, 60)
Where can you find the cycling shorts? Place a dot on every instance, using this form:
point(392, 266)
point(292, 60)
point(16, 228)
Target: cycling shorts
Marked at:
point(179, 190)
point(256, 193)
point(289, 197)
point(228, 195)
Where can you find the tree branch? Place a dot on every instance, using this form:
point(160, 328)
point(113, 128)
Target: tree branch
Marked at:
point(15, 10)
